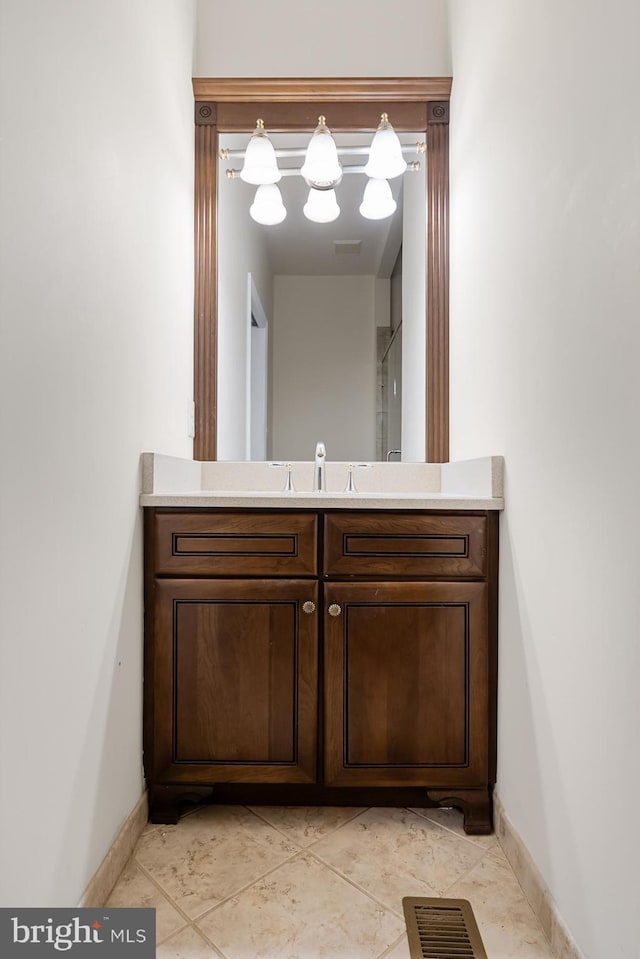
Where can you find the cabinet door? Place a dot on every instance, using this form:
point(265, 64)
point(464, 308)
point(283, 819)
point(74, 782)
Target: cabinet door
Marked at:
point(406, 684)
point(234, 681)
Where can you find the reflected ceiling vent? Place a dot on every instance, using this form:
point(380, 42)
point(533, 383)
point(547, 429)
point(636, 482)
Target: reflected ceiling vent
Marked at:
point(347, 246)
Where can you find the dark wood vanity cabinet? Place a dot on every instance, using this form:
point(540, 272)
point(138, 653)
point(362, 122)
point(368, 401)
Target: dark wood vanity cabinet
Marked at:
point(321, 657)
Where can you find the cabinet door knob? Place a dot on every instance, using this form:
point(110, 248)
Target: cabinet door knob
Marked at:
point(335, 609)
point(308, 607)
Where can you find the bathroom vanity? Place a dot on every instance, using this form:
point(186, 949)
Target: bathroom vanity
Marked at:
point(322, 648)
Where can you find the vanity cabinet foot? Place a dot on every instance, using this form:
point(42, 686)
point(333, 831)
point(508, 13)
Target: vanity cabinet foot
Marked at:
point(167, 803)
point(476, 806)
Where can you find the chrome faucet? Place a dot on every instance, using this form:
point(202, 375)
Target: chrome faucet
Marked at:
point(319, 479)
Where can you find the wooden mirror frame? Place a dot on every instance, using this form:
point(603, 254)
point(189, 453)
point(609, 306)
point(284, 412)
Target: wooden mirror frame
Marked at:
point(353, 104)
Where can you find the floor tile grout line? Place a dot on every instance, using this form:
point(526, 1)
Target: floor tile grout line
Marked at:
point(451, 831)
point(361, 889)
point(464, 875)
point(154, 882)
point(267, 823)
point(238, 892)
point(191, 925)
point(481, 850)
point(361, 810)
point(393, 945)
point(161, 942)
point(210, 942)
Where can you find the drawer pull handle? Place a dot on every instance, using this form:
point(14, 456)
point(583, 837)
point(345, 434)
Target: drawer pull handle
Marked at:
point(308, 607)
point(335, 609)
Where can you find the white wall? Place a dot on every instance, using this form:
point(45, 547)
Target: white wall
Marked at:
point(96, 366)
point(324, 367)
point(241, 250)
point(545, 349)
point(297, 38)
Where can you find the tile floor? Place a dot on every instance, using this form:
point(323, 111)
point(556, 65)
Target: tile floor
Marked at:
point(271, 882)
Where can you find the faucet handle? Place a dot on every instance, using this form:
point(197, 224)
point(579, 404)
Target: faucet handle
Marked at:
point(351, 486)
point(288, 483)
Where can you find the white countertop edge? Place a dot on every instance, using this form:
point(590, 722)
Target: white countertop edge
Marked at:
point(209, 498)
point(465, 484)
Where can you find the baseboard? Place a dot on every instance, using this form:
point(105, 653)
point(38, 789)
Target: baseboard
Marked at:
point(107, 873)
point(563, 945)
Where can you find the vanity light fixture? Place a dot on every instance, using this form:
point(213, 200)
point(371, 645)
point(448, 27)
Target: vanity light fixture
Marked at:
point(322, 172)
point(260, 164)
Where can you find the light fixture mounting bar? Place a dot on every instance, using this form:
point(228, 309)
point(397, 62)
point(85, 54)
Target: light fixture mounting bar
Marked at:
point(233, 174)
point(226, 154)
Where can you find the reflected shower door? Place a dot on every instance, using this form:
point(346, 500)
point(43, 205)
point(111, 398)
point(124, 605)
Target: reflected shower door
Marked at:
point(392, 398)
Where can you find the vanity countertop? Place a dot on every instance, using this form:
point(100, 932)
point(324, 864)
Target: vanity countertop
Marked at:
point(465, 485)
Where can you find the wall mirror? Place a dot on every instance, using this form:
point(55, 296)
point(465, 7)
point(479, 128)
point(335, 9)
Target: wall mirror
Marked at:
point(316, 305)
point(298, 324)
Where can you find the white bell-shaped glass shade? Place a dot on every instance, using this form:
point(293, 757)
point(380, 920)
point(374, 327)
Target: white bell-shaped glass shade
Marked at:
point(321, 163)
point(260, 164)
point(267, 207)
point(321, 206)
point(385, 156)
point(377, 202)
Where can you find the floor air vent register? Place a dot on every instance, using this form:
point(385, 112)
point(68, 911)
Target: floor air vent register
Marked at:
point(442, 929)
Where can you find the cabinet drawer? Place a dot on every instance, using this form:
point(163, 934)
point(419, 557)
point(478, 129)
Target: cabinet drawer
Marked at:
point(235, 544)
point(405, 545)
